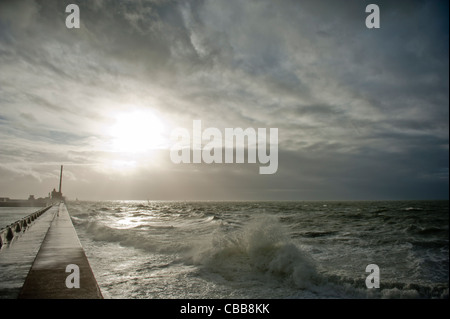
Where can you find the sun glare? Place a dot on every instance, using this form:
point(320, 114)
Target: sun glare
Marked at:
point(137, 131)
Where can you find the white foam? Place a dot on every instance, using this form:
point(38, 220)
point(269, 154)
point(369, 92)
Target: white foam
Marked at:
point(261, 246)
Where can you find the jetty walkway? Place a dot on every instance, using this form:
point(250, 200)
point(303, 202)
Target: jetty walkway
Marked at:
point(59, 267)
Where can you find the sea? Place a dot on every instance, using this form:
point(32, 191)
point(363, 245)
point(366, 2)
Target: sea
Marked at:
point(266, 249)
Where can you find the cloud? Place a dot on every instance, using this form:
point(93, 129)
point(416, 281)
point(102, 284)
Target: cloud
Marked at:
point(337, 91)
point(18, 15)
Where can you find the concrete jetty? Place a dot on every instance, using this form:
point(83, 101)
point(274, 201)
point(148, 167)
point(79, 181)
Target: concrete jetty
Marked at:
point(61, 269)
point(19, 250)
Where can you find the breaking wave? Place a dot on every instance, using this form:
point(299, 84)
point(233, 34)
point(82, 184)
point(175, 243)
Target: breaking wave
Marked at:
point(261, 246)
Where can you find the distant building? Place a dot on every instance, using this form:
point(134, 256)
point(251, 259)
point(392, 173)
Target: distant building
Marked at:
point(53, 197)
point(56, 195)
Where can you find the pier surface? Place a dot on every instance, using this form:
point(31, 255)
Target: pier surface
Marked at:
point(60, 248)
point(19, 250)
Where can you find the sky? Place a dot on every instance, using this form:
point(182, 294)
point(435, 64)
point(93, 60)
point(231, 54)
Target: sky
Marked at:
point(362, 114)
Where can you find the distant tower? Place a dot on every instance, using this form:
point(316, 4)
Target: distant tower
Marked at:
point(60, 180)
point(57, 196)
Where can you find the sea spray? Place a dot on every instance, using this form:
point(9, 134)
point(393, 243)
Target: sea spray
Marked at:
point(261, 246)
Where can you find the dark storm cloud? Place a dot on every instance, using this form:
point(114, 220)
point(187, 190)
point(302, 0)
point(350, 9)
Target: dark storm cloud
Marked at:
point(356, 108)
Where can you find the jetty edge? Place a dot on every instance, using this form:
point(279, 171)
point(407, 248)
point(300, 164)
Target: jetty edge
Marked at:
point(8, 233)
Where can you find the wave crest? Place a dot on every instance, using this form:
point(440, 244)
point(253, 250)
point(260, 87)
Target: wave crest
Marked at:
point(261, 246)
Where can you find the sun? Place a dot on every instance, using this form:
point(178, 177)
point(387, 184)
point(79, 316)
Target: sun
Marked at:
point(137, 132)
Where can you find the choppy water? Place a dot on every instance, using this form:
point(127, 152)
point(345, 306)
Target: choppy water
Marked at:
point(265, 249)
point(9, 215)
